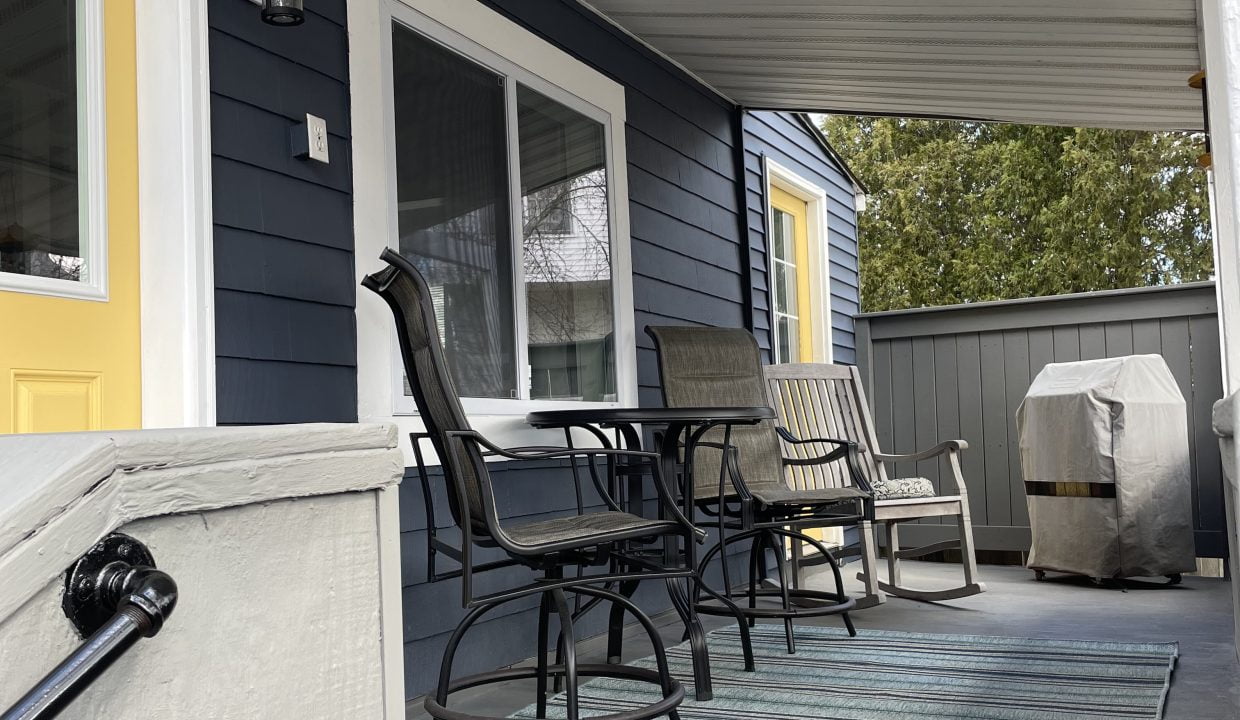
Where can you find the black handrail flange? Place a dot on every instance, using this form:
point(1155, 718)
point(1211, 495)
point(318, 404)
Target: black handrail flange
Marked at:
point(90, 599)
point(114, 596)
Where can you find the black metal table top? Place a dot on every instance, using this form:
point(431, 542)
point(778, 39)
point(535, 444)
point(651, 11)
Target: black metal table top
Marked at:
point(649, 416)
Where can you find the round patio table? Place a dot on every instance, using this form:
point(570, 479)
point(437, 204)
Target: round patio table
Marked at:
point(678, 423)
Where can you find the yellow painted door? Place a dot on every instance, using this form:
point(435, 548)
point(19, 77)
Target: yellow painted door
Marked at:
point(69, 362)
point(794, 312)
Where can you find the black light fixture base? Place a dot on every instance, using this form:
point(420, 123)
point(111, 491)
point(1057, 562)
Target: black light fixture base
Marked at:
point(283, 13)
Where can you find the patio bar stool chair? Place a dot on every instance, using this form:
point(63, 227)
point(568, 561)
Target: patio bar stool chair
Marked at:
point(548, 547)
point(827, 401)
point(737, 474)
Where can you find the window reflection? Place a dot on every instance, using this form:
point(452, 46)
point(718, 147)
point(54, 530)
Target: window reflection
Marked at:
point(453, 206)
point(566, 241)
point(39, 225)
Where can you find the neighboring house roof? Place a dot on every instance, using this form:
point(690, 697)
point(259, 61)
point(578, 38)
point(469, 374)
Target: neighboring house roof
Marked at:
point(821, 138)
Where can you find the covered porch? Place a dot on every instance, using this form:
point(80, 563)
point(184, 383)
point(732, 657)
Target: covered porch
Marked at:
point(685, 110)
point(1091, 64)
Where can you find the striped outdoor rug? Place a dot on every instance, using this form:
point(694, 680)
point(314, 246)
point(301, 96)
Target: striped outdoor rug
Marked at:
point(881, 674)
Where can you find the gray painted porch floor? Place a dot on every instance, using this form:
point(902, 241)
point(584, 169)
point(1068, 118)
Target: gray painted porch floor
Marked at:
point(1205, 686)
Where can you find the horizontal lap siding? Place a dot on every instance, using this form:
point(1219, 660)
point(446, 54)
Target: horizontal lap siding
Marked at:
point(962, 372)
point(283, 227)
point(781, 137)
point(686, 270)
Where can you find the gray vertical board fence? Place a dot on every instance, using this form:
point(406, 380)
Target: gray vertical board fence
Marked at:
point(961, 371)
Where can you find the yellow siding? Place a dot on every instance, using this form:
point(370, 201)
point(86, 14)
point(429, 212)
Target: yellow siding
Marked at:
point(74, 364)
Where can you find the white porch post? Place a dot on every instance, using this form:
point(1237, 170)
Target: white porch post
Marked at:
point(174, 215)
point(1220, 28)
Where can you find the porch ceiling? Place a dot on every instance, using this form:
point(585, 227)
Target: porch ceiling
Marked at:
point(1097, 63)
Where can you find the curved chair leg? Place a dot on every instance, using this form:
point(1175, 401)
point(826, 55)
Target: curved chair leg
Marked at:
point(755, 555)
point(781, 563)
point(623, 602)
point(544, 618)
point(839, 588)
point(454, 642)
point(835, 571)
point(742, 620)
point(741, 623)
point(683, 604)
point(570, 653)
point(615, 624)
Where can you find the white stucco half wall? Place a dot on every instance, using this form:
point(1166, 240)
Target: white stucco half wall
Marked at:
point(284, 542)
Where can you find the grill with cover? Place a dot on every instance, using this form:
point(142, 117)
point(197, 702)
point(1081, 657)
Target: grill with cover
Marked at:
point(1104, 453)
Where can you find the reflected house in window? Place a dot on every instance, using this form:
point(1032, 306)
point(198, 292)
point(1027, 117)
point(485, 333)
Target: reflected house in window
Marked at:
point(566, 252)
point(476, 233)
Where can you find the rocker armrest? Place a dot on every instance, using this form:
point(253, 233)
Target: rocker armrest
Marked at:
point(943, 447)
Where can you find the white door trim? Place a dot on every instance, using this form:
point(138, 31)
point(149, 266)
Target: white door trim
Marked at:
point(815, 198)
point(174, 218)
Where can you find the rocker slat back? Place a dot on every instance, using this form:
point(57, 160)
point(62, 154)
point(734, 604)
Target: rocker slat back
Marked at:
point(819, 400)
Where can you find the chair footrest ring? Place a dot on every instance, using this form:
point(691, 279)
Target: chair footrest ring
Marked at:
point(824, 603)
point(621, 672)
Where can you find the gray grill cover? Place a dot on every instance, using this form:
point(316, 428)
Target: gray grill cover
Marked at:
point(1117, 421)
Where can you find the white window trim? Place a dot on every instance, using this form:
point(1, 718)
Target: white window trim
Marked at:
point(815, 198)
point(487, 37)
point(174, 214)
point(92, 170)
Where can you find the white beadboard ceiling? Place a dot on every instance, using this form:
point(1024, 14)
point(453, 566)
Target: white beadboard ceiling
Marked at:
point(1096, 63)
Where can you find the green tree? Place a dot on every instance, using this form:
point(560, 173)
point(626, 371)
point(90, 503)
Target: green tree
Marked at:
point(967, 212)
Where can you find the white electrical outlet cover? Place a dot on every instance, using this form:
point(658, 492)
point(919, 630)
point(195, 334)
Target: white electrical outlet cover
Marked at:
point(316, 130)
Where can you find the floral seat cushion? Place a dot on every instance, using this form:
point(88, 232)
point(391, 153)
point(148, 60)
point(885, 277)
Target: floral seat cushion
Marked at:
point(903, 488)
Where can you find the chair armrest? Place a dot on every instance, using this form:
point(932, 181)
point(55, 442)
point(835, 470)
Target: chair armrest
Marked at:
point(842, 448)
point(544, 453)
point(940, 449)
point(547, 452)
point(836, 454)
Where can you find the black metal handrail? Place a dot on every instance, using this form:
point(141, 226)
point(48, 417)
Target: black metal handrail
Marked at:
point(114, 596)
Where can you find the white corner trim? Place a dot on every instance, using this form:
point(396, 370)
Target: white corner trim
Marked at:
point(815, 198)
point(174, 219)
point(391, 603)
point(92, 152)
point(1220, 48)
point(488, 37)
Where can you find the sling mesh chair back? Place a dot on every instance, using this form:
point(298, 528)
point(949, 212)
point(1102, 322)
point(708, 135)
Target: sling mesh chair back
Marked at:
point(815, 400)
point(547, 546)
point(738, 473)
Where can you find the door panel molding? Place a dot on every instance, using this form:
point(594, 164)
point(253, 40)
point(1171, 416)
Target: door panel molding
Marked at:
point(56, 400)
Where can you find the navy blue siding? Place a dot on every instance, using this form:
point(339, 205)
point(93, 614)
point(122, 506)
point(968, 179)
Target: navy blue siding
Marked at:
point(284, 284)
point(783, 138)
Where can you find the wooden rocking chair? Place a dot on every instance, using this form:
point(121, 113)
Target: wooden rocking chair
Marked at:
point(817, 400)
